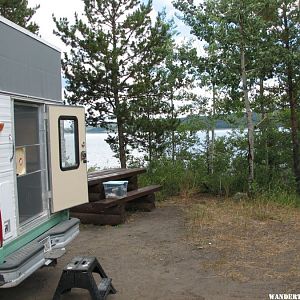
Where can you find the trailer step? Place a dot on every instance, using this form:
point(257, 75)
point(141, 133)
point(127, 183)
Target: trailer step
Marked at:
point(78, 274)
point(38, 253)
point(61, 228)
point(21, 264)
point(19, 257)
point(55, 253)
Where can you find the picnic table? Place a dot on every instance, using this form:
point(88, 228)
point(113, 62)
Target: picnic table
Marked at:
point(112, 211)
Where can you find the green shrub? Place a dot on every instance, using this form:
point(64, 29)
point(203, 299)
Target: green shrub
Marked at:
point(175, 177)
point(278, 195)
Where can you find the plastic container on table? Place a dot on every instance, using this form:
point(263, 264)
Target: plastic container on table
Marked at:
point(115, 189)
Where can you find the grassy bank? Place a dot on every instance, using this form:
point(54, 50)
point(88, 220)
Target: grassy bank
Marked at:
point(244, 240)
point(240, 238)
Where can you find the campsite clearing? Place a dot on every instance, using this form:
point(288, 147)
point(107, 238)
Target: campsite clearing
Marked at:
point(155, 255)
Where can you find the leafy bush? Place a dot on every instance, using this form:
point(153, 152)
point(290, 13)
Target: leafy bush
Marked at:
point(278, 195)
point(176, 177)
point(188, 174)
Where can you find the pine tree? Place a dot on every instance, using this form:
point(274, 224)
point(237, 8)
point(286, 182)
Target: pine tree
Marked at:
point(18, 12)
point(179, 81)
point(108, 52)
point(161, 94)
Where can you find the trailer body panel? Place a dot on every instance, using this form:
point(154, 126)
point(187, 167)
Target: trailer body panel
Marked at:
point(34, 219)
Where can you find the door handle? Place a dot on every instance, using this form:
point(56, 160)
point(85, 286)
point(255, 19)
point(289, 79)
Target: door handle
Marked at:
point(13, 148)
point(83, 157)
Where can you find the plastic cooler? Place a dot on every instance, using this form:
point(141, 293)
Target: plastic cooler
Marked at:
point(115, 189)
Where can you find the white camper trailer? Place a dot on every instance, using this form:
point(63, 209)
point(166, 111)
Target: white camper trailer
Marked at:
point(42, 156)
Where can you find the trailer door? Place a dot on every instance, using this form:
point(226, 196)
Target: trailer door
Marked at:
point(67, 155)
point(8, 220)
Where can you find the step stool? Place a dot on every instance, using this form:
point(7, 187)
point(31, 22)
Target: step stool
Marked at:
point(78, 274)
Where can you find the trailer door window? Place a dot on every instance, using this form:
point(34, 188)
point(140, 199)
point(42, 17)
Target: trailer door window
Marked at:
point(68, 143)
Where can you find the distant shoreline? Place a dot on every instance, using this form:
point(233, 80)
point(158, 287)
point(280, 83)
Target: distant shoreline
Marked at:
point(105, 131)
point(220, 124)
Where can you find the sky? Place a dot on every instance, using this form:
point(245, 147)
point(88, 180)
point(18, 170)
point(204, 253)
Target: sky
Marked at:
point(67, 8)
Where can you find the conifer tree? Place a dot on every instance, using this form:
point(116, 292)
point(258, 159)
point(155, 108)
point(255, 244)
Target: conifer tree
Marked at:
point(109, 49)
point(159, 92)
point(18, 12)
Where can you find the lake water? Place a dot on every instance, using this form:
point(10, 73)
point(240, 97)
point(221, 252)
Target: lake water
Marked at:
point(99, 153)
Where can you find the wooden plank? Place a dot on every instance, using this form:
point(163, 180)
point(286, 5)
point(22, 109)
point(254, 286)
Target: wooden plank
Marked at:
point(109, 177)
point(97, 188)
point(94, 197)
point(112, 211)
point(115, 175)
point(95, 208)
point(99, 219)
point(115, 172)
point(103, 172)
point(101, 205)
point(96, 191)
point(139, 193)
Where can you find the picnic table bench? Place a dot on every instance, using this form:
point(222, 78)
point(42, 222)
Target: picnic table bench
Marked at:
point(111, 211)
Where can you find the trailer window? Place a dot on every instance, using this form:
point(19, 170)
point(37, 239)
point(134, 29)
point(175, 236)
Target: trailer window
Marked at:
point(68, 143)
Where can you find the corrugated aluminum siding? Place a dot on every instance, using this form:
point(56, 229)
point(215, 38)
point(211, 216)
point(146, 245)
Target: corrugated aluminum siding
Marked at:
point(27, 65)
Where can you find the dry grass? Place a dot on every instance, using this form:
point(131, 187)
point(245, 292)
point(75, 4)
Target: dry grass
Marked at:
point(247, 240)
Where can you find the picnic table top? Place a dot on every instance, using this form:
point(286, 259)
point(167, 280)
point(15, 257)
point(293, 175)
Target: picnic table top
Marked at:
point(132, 195)
point(113, 174)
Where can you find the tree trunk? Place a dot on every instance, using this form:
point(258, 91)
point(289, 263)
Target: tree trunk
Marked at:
point(294, 129)
point(173, 130)
point(121, 137)
point(212, 145)
point(150, 132)
point(249, 122)
point(150, 147)
point(293, 105)
point(264, 129)
point(261, 95)
point(208, 151)
point(115, 85)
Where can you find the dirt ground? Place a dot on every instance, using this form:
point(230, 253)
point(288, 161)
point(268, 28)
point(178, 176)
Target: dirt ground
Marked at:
point(149, 257)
